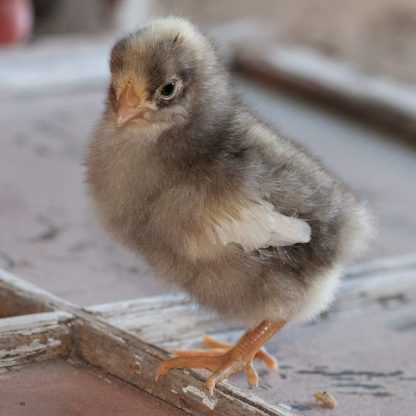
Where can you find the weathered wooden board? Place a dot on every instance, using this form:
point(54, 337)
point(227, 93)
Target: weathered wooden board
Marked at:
point(18, 297)
point(128, 357)
point(32, 338)
point(178, 319)
point(389, 103)
point(12, 305)
point(379, 295)
point(365, 358)
point(383, 282)
point(382, 266)
point(179, 322)
point(116, 336)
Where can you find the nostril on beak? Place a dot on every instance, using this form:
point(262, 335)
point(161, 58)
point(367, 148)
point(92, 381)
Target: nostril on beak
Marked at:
point(125, 114)
point(129, 106)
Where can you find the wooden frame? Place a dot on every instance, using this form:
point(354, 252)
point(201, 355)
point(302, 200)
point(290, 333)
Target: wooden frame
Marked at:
point(47, 327)
point(127, 339)
point(388, 103)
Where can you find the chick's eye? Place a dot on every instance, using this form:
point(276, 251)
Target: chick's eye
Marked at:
point(168, 90)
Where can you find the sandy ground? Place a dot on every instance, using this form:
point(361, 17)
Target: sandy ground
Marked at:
point(377, 36)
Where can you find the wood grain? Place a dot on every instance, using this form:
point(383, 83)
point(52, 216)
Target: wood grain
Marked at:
point(180, 323)
point(128, 357)
point(117, 336)
point(378, 284)
point(178, 319)
point(32, 338)
point(18, 297)
point(12, 305)
point(388, 103)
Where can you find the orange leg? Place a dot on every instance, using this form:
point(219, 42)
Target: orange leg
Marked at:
point(217, 347)
point(261, 354)
point(224, 363)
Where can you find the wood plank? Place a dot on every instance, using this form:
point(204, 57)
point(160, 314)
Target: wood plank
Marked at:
point(128, 357)
point(124, 354)
point(387, 102)
point(18, 297)
point(365, 358)
point(387, 285)
point(372, 290)
point(32, 338)
point(179, 322)
point(131, 359)
point(178, 319)
point(137, 306)
point(387, 264)
point(11, 305)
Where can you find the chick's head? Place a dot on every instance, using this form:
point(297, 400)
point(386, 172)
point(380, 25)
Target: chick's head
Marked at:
point(158, 72)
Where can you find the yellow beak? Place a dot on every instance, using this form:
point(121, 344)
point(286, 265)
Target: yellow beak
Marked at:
point(129, 106)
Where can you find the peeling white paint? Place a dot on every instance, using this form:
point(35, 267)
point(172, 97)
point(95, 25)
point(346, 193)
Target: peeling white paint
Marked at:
point(138, 359)
point(17, 355)
point(33, 323)
point(52, 342)
point(136, 306)
point(285, 406)
point(26, 287)
point(117, 338)
point(209, 402)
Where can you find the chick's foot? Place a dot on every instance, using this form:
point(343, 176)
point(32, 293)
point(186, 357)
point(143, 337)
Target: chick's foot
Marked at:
point(224, 359)
point(261, 354)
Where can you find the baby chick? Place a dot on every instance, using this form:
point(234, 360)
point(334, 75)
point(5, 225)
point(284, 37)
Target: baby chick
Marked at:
point(242, 219)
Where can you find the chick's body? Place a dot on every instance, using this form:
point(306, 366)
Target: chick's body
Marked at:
point(204, 191)
point(244, 220)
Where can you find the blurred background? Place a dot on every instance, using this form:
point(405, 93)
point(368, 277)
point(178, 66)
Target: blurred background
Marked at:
point(338, 76)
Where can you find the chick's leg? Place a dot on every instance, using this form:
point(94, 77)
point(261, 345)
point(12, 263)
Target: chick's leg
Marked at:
point(250, 371)
point(261, 354)
point(217, 347)
point(223, 364)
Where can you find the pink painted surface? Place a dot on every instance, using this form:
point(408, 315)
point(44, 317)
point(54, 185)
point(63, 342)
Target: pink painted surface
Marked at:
point(62, 389)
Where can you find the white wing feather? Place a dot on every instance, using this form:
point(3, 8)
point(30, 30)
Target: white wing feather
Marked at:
point(260, 225)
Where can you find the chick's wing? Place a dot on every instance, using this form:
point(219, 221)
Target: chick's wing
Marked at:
point(259, 225)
